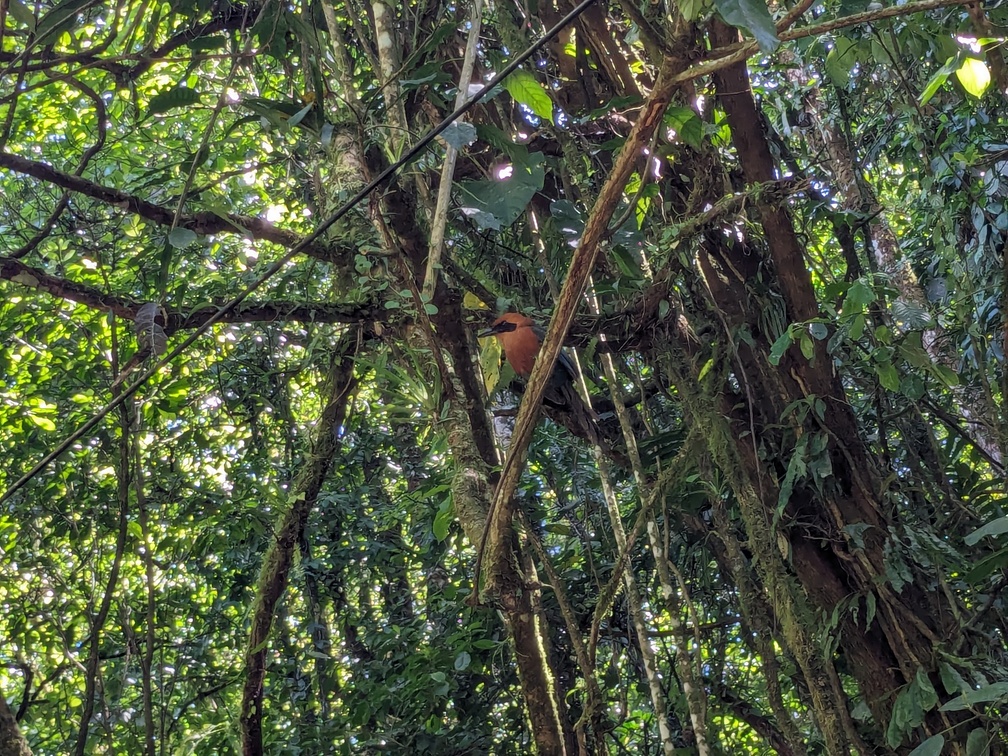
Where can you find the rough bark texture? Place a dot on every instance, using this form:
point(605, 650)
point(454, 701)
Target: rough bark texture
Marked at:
point(471, 439)
point(830, 567)
point(12, 742)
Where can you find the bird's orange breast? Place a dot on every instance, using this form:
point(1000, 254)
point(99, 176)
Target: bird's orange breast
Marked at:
point(520, 347)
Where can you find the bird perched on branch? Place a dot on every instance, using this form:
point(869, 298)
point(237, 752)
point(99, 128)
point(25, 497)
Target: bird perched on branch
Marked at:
point(520, 338)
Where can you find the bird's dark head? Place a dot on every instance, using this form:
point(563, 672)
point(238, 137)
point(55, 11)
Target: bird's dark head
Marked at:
point(509, 321)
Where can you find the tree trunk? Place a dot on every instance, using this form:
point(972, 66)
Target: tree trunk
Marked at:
point(280, 556)
point(830, 564)
point(471, 438)
point(12, 742)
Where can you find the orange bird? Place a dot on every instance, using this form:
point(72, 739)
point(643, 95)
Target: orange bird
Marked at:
point(520, 339)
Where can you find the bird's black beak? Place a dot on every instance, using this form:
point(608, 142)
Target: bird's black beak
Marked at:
point(502, 326)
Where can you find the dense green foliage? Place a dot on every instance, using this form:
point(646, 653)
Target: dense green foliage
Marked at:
point(156, 158)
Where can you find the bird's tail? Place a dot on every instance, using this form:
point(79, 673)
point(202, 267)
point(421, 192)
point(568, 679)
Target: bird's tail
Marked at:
point(566, 407)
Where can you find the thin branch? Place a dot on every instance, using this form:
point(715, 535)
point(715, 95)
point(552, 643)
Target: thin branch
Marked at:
point(437, 235)
point(290, 530)
point(123, 471)
point(101, 119)
point(231, 19)
point(581, 266)
point(732, 54)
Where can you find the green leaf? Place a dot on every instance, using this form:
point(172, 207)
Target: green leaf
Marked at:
point(946, 375)
point(780, 346)
point(840, 61)
point(987, 566)
point(558, 528)
point(60, 19)
point(912, 387)
point(300, 115)
point(857, 326)
point(807, 347)
point(443, 521)
point(495, 204)
point(796, 471)
point(951, 679)
point(974, 76)
point(930, 747)
point(22, 14)
point(978, 742)
point(179, 97)
point(916, 699)
point(202, 44)
point(462, 661)
point(994, 528)
point(690, 9)
point(926, 692)
point(525, 89)
point(181, 237)
point(987, 694)
point(686, 124)
point(888, 376)
point(459, 134)
point(910, 315)
point(753, 17)
point(936, 81)
point(859, 296)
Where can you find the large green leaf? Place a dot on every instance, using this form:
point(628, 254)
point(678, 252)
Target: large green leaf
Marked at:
point(752, 16)
point(987, 694)
point(930, 747)
point(974, 76)
point(179, 97)
point(22, 14)
point(840, 61)
point(62, 18)
point(526, 90)
point(994, 528)
point(936, 81)
point(978, 742)
point(497, 203)
point(686, 124)
point(916, 700)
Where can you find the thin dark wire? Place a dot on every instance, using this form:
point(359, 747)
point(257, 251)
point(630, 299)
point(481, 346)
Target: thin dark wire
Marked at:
point(274, 268)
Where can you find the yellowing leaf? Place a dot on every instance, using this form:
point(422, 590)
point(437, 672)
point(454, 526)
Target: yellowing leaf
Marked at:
point(43, 422)
point(974, 76)
point(471, 302)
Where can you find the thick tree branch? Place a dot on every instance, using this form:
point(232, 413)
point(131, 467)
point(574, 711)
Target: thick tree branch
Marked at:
point(203, 223)
point(12, 742)
point(290, 530)
point(253, 312)
point(235, 17)
point(730, 55)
